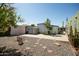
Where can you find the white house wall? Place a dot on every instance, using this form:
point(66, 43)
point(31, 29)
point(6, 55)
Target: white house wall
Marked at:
point(42, 28)
point(18, 30)
point(32, 30)
point(55, 30)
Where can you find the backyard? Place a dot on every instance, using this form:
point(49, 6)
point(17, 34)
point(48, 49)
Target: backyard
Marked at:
point(40, 45)
point(43, 33)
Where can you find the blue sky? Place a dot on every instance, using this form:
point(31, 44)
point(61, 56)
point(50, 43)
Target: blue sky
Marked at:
point(34, 13)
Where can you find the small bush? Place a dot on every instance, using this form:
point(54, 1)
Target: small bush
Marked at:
point(4, 33)
point(74, 40)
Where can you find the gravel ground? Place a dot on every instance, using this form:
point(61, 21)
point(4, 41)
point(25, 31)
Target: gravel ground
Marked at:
point(51, 37)
point(39, 46)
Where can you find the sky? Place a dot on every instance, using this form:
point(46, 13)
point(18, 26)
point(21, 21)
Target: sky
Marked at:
point(34, 13)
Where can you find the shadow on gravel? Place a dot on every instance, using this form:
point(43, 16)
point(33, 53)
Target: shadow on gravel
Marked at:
point(56, 35)
point(4, 51)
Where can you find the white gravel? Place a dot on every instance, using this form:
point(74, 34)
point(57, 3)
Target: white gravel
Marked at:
point(51, 37)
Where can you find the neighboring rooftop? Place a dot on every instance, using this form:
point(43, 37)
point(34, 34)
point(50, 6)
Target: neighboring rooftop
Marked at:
point(43, 24)
point(40, 23)
point(55, 25)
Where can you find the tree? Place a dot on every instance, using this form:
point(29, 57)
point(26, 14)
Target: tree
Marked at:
point(8, 17)
point(66, 22)
point(66, 26)
point(73, 25)
point(63, 24)
point(48, 25)
point(33, 25)
point(71, 31)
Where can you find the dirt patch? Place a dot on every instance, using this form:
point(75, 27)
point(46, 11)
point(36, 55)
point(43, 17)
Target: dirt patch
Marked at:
point(38, 46)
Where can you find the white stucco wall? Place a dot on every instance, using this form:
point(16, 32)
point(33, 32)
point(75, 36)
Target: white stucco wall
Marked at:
point(35, 30)
point(42, 28)
point(18, 30)
point(32, 30)
point(55, 29)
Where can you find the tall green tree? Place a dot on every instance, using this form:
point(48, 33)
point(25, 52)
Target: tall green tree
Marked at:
point(63, 24)
point(33, 25)
point(48, 25)
point(66, 24)
point(8, 16)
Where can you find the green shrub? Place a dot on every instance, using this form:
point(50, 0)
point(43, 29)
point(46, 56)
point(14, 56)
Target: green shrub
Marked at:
point(74, 38)
point(4, 33)
point(76, 42)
